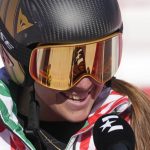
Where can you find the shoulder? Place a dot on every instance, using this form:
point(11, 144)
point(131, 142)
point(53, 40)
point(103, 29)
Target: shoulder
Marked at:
point(4, 76)
point(110, 101)
point(4, 84)
point(4, 89)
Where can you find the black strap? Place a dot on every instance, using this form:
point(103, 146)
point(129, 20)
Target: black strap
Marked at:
point(33, 122)
point(16, 49)
point(109, 82)
point(33, 116)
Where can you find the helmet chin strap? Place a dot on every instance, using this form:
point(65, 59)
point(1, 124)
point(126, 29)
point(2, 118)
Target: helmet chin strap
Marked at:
point(33, 117)
point(33, 121)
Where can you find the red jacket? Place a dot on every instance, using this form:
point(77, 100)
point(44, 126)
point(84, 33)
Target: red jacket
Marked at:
point(13, 138)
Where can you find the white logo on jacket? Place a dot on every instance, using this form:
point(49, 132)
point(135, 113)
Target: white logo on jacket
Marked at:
point(108, 123)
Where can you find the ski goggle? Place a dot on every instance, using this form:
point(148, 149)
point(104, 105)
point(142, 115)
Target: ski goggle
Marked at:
point(63, 66)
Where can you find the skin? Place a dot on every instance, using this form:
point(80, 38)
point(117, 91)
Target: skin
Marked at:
point(59, 106)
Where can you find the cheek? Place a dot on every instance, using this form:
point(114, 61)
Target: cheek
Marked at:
point(45, 95)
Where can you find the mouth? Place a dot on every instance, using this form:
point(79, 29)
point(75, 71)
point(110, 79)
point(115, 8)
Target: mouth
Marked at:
point(74, 97)
point(77, 96)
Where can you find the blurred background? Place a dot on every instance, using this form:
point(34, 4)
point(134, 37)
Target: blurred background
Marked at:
point(135, 65)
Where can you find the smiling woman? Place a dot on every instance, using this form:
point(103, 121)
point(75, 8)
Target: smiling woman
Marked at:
point(60, 71)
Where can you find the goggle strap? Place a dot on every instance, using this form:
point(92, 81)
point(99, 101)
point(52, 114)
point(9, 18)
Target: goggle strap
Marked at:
point(15, 49)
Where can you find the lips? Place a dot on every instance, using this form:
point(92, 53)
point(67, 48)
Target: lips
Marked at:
point(77, 95)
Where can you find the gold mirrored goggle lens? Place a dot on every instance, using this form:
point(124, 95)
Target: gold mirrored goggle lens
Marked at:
point(61, 67)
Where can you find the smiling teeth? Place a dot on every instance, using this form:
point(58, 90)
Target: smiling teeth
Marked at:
point(74, 97)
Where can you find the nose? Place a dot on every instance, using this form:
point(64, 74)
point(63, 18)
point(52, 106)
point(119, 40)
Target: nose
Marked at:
point(84, 83)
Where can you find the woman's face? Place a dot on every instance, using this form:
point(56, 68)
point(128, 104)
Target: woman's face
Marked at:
point(72, 105)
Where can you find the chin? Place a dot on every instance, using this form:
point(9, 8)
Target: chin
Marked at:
point(77, 117)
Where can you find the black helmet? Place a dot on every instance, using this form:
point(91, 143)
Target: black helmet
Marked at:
point(26, 23)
